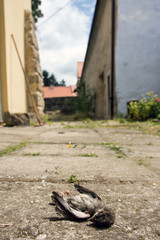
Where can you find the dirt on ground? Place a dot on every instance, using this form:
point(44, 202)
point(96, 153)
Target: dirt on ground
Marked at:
point(121, 164)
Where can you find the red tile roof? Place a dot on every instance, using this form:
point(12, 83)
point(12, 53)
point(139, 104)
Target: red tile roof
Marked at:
point(79, 69)
point(55, 92)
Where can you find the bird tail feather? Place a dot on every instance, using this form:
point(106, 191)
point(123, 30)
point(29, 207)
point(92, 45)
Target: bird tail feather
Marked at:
point(63, 207)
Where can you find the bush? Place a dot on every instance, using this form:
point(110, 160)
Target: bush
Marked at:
point(147, 107)
point(85, 101)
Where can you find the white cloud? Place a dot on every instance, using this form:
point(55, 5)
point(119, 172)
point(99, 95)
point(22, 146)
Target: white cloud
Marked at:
point(134, 16)
point(63, 38)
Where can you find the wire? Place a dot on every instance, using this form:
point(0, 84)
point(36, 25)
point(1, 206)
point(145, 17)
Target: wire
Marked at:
point(55, 13)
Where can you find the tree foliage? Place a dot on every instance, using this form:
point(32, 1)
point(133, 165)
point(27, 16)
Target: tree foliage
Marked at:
point(36, 12)
point(85, 101)
point(50, 80)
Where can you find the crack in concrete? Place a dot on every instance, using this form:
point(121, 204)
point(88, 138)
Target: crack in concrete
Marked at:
point(63, 181)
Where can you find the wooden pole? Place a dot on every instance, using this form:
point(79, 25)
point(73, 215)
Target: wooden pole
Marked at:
point(27, 82)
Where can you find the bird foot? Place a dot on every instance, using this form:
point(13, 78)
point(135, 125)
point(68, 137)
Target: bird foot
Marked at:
point(63, 192)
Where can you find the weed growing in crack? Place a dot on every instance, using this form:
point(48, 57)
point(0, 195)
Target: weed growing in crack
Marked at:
point(31, 154)
point(142, 162)
point(117, 149)
point(73, 178)
point(87, 155)
point(8, 150)
point(120, 155)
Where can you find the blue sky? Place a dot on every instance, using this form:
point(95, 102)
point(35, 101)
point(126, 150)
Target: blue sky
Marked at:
point(63, 38)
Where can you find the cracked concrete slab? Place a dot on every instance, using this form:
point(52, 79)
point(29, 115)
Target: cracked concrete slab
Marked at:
point(120, 164)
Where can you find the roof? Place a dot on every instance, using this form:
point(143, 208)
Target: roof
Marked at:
point(55, 92)
point(79, 69)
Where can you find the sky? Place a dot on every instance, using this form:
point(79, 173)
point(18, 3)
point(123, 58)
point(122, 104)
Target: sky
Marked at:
point(63, 35)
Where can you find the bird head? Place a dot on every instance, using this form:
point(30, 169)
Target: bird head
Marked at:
point(104, 217)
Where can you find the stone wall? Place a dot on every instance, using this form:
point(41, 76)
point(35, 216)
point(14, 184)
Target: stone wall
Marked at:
point(64, 104)
point(32, 65)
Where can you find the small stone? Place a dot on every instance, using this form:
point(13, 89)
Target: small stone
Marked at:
point(43, 183)
point(41, 237)
point(129, 230)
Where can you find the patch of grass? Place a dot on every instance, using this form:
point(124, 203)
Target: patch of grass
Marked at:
point(67, 125)
point(150, 143)
point(114, 147)
point(120, 155)
point(148, 127)
point(117, 149)
point(122, 120)
point(47, 120)
point(73, 178)
point(12, 148)
point(33, 123)
point(142, 162)
point(31, 154)
point(87, 155)
point(130, 150)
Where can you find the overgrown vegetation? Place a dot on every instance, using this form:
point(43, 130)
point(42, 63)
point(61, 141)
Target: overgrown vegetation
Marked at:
point(147, 108)
point(85, 101)
point(12, 148)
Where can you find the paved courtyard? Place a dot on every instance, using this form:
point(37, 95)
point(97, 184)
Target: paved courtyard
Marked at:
point(121, 164)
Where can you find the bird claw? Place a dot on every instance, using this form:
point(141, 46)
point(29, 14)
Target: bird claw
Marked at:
point(63, 192)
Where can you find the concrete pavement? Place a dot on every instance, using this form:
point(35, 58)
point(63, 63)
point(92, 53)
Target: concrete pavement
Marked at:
point(120, 164)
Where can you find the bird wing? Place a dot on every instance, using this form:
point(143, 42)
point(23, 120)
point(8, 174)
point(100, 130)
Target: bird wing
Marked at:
point(84, 190)
point(65, 209)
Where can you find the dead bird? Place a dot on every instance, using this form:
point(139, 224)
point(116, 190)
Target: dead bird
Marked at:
point(85, 206)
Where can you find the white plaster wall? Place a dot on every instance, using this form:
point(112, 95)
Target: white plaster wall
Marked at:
point(14, 24)
point(138, 50)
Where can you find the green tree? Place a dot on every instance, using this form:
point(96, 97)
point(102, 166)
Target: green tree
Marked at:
point(53, 80)
point(46, 78)
point(50, 80)
point(36, 12)
point(62, 83)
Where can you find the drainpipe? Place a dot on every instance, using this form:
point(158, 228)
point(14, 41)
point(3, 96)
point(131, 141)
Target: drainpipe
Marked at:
point(112, 56)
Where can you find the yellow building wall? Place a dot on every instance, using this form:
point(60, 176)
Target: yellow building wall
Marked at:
point(13, 87)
